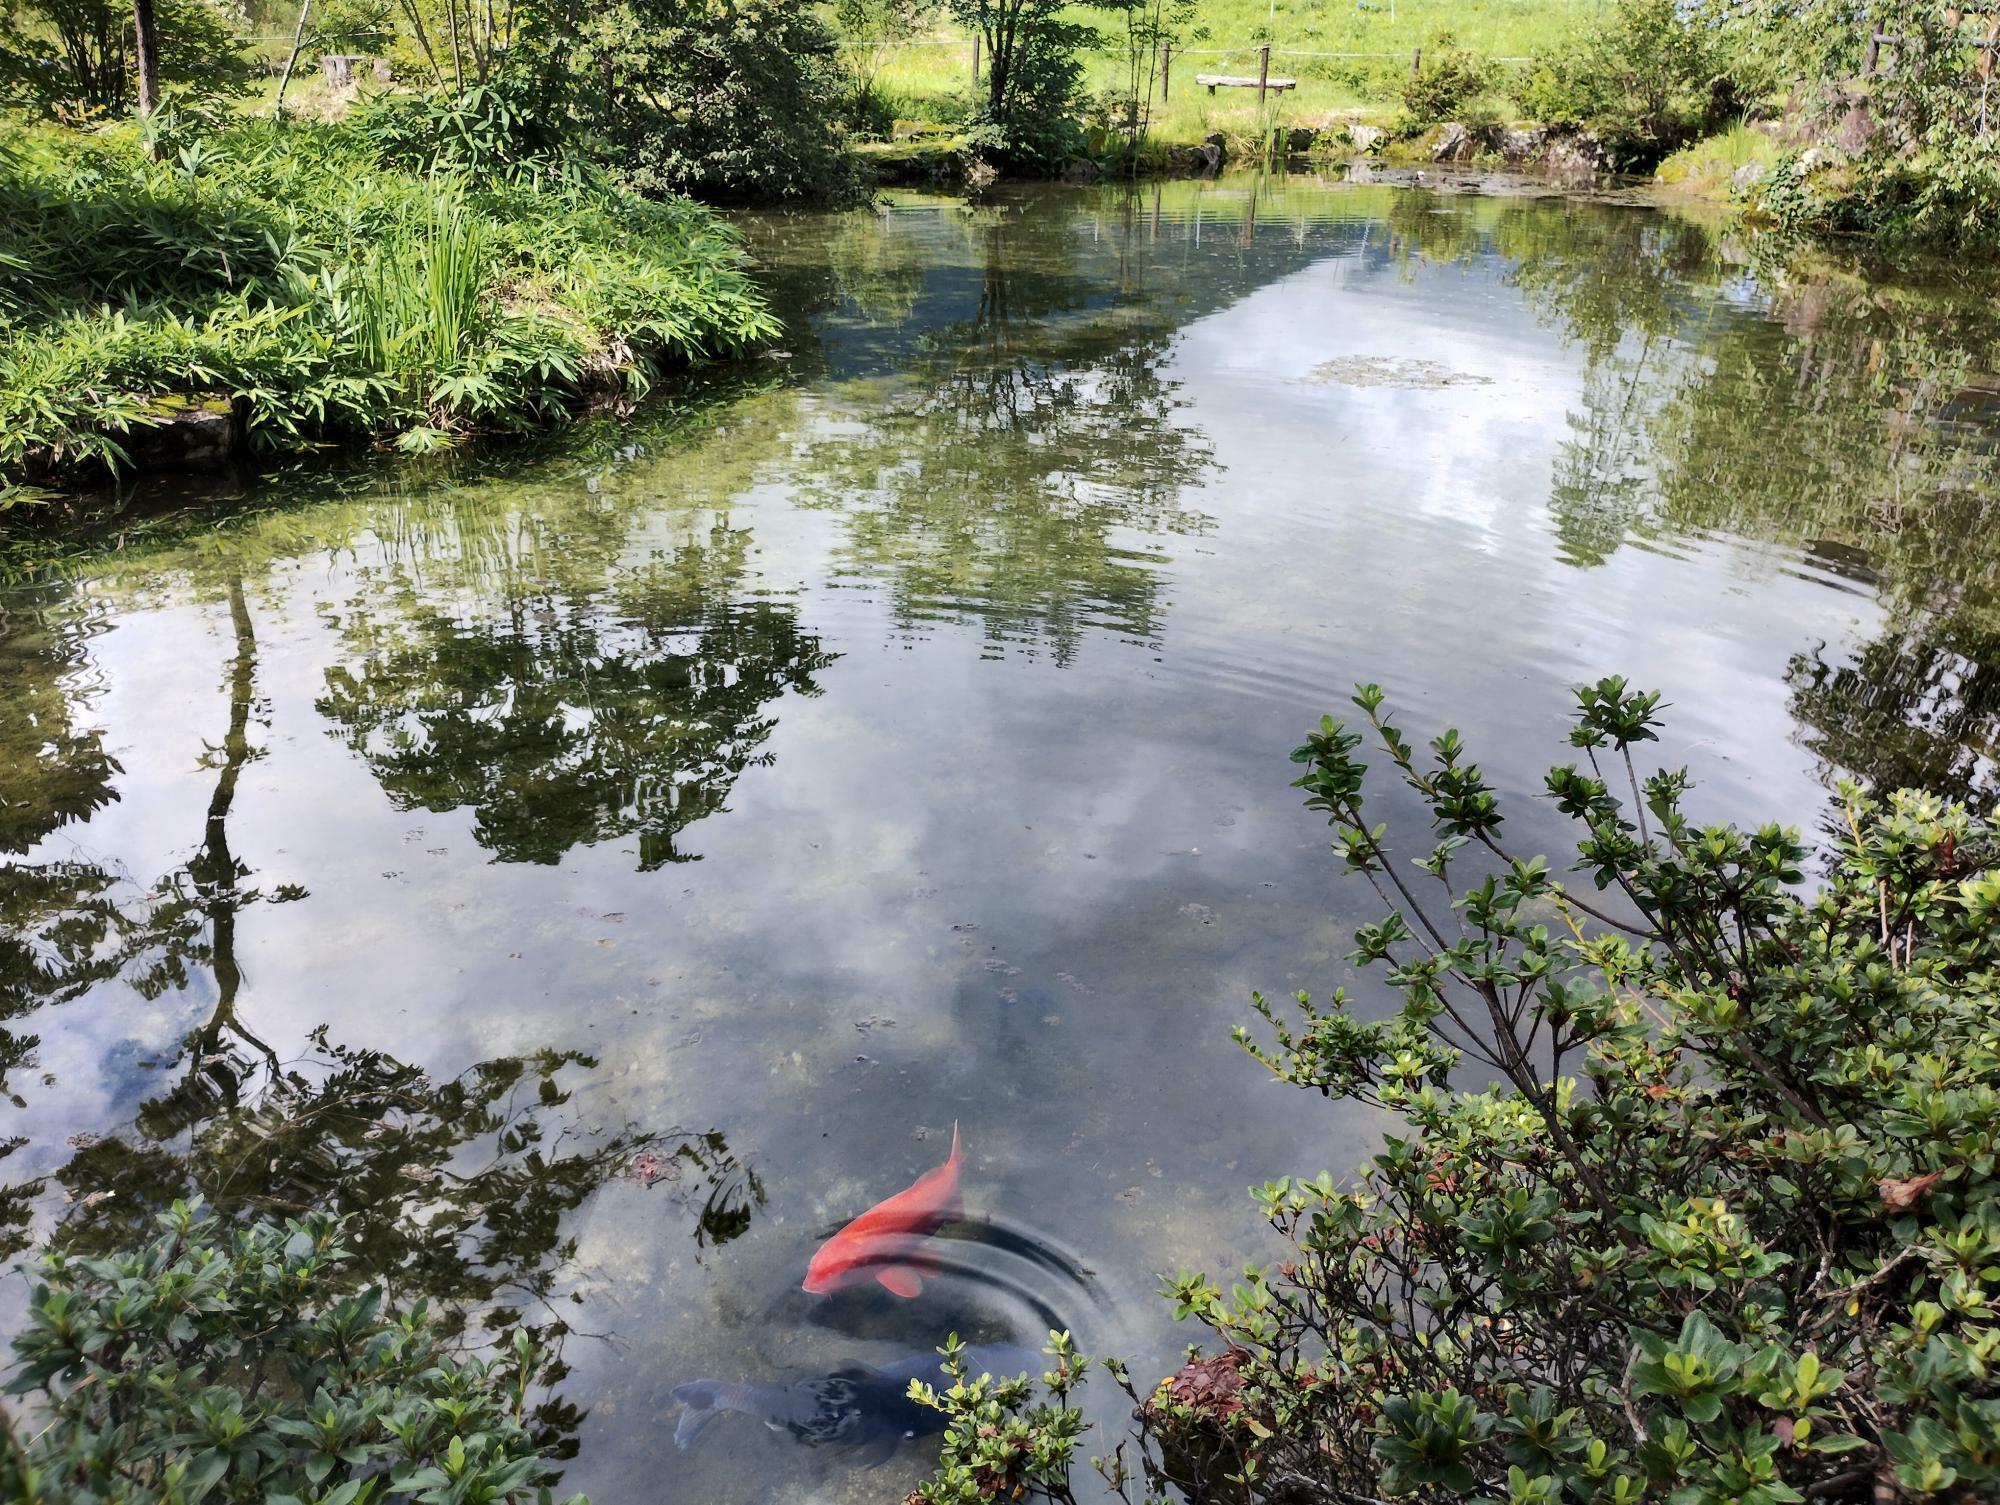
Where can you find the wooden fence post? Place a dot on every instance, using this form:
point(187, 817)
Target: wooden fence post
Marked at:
point(975, 60)
point(1416, 61)
point(1166, 64)
point(1263, 71)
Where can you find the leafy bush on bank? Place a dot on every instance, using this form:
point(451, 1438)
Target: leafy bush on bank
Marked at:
point(1903, 150)
point(226, 1366)
point(1726, 1224)
point(1655, 76)
point(1445, 85)
point(285, 270)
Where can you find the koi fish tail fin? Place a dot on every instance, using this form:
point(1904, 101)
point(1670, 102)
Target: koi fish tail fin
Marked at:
point(954, 1210)
point(702, 1401)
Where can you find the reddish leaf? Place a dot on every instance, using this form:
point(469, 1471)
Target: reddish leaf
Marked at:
point(1901, 1196)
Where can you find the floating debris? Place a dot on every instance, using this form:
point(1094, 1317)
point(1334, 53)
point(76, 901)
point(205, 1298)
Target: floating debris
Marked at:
point(647, 1169)
point(1392, 371)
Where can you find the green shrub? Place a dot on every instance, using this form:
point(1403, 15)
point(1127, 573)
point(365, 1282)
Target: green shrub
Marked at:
point(243, 1366)
point(999, 1442)
point(506, 128)
point(731, 101)
point(1654, 76)
point(1448, 79)
point(1723, 1225)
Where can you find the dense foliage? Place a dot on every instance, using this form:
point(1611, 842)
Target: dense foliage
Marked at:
point(1898, 137)
point(1654, 76)
point(1724, 1226)
point(220, 1365)
point(1034, 76)
point(289, 274)
point(1447, 80)
point(73, 59)
point(735, 99)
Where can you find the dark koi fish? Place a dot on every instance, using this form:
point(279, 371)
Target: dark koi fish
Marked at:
point(858, 1406)
point(885, 1244)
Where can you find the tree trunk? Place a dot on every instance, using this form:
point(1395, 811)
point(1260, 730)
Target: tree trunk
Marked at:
point(146, 41)
point(291, 62)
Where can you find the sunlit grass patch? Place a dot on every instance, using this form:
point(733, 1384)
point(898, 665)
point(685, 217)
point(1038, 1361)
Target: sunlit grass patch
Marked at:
point(1709, 164)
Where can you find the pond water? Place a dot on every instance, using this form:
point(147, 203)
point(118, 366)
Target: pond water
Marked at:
point(607, 870)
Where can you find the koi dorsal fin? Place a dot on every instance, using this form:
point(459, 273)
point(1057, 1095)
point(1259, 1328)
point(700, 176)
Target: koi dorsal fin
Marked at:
point(954, 1157)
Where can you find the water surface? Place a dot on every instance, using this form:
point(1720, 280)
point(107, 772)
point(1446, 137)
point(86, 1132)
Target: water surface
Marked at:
point(606, 871)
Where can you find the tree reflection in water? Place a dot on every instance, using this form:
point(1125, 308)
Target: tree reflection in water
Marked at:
point(1917, 708)
point(572, 713)
point(460, 1190)
point(1015, 472)
point(1858, 428)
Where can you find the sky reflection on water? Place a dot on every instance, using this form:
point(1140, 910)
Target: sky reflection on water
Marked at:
point(895, 734)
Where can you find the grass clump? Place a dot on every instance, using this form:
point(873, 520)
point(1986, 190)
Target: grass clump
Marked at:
point(1710, 164)
point(287, 272)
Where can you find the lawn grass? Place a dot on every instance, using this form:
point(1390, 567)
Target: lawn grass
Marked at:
point(1223, 38)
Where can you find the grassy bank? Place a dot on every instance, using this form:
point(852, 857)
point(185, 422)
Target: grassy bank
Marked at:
point(1349, 59)
point(284, 277)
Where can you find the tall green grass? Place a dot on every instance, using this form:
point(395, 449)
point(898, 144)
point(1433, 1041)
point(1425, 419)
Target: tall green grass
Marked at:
point(1708, 165)
point(286, 270)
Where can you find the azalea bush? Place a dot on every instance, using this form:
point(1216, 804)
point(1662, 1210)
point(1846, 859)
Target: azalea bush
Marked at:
point(1690, 1193)
point(226, 1365)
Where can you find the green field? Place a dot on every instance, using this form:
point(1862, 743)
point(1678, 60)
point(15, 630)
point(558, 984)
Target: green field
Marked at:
point(1305, 39)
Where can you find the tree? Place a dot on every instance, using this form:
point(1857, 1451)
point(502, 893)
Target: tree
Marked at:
point(1032, 73)
point(146, 50)
point(106, 58)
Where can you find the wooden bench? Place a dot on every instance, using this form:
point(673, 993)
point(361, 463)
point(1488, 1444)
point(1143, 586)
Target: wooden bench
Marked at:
point(1214, 81)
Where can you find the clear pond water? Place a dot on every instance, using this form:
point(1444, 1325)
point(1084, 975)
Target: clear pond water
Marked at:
point(606, 870)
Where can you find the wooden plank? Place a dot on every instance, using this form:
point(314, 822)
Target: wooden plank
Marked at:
point(1213, 81)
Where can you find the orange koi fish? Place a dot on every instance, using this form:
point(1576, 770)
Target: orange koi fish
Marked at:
point(885, 1244)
